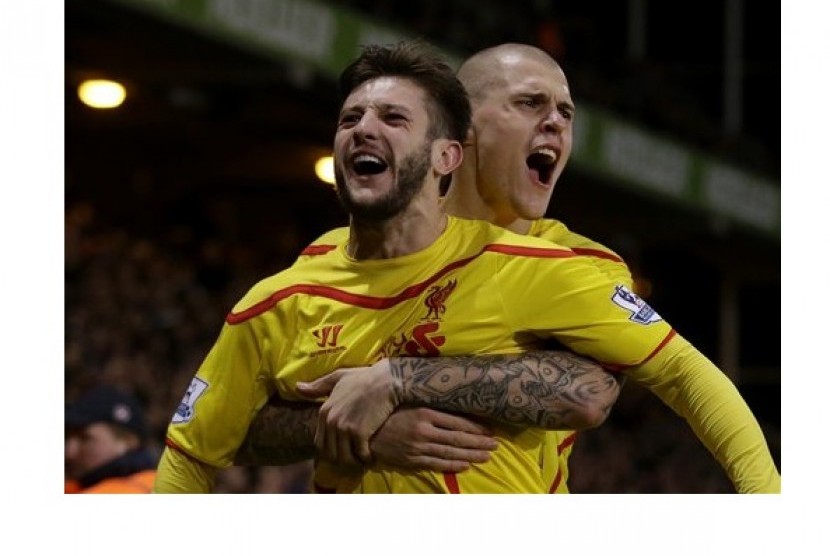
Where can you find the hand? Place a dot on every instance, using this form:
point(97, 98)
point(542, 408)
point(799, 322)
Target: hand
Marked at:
point(426, 439)
point(360, 400)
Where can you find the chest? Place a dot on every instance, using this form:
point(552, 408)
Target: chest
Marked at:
point(461, 313)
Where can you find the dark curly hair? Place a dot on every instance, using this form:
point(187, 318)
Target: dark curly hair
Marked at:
point(448, 103)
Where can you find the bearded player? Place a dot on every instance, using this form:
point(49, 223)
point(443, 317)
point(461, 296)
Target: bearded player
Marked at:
point(614, 327)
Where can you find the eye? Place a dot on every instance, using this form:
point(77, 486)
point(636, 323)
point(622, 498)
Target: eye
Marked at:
point(529, 102)
point(395, 117)
point(348, 120)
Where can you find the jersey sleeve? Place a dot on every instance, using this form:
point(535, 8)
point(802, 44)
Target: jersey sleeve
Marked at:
point(555, 293)
point(230, 387)
point(179, 474)
point(701, 394)
point(591, 315)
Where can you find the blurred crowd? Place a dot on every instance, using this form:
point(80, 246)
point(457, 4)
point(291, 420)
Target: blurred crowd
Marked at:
point(143, 309)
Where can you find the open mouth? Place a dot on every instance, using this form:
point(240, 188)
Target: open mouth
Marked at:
point(542, 162)
point(368, 165)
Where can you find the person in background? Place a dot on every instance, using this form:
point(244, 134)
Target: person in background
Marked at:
point(105, 451)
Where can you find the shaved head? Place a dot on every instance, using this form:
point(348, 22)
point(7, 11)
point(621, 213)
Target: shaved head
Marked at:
point(484, 70)
point(521, 135)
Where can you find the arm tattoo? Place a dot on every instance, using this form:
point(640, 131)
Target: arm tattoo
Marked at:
point(550, 390)
point(546, 389)
point(281, 433)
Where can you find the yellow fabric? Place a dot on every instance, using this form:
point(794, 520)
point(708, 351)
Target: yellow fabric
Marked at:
point(478, 289)
point(699, 392)
point(559, 445)
point(604, 258)
point(331, 238)
point(179, 474)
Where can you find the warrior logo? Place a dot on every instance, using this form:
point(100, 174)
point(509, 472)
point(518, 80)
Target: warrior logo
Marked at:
point(436, 298)
point(327, 340)
point(639, 309)
point(327, 336)
point(184, 412)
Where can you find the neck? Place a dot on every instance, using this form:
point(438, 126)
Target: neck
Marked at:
point(418, 227)
point(463, 200)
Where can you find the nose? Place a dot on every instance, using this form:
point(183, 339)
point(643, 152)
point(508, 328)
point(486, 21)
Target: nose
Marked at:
point(554, 121)
point(367, 127)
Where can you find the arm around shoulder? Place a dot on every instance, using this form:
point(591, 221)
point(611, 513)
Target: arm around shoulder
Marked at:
point(546, 389)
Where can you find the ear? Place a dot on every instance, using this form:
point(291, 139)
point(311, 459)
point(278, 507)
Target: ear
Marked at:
point(446, 155)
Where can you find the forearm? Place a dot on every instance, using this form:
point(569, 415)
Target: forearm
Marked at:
point(281, 433)
point(699, 392)
point(550, 390)
point(180, 474)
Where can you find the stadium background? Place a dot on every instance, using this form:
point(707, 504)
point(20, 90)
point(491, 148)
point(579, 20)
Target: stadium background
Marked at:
point(203, 182)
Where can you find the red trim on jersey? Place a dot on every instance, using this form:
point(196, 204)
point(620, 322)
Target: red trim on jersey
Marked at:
point(569, 440)
point(172, 445)
point(523, 251)
point(373, 302)
point(318, 249)
point(556, 481)
point(617, 368)
point(452, 483)
point(597, 253)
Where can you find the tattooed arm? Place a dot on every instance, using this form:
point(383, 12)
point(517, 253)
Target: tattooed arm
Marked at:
point(412, 438)
point(569, 392)
point(550, 390)
point(281, 433)
point(546, 389)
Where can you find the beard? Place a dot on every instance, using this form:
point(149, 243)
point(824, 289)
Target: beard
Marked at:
point(411, 174)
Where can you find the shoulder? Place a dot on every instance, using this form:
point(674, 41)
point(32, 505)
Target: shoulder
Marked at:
point(495, 239)
point(307, 274)
point(551, 229)
point(558, 232)
point(266, 293)
point(326, 242)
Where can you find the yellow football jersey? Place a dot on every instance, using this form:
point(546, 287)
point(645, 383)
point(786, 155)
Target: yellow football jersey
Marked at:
point(478, 289)
point(559, 444)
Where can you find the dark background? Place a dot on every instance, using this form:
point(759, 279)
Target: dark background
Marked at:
point(202, 183)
